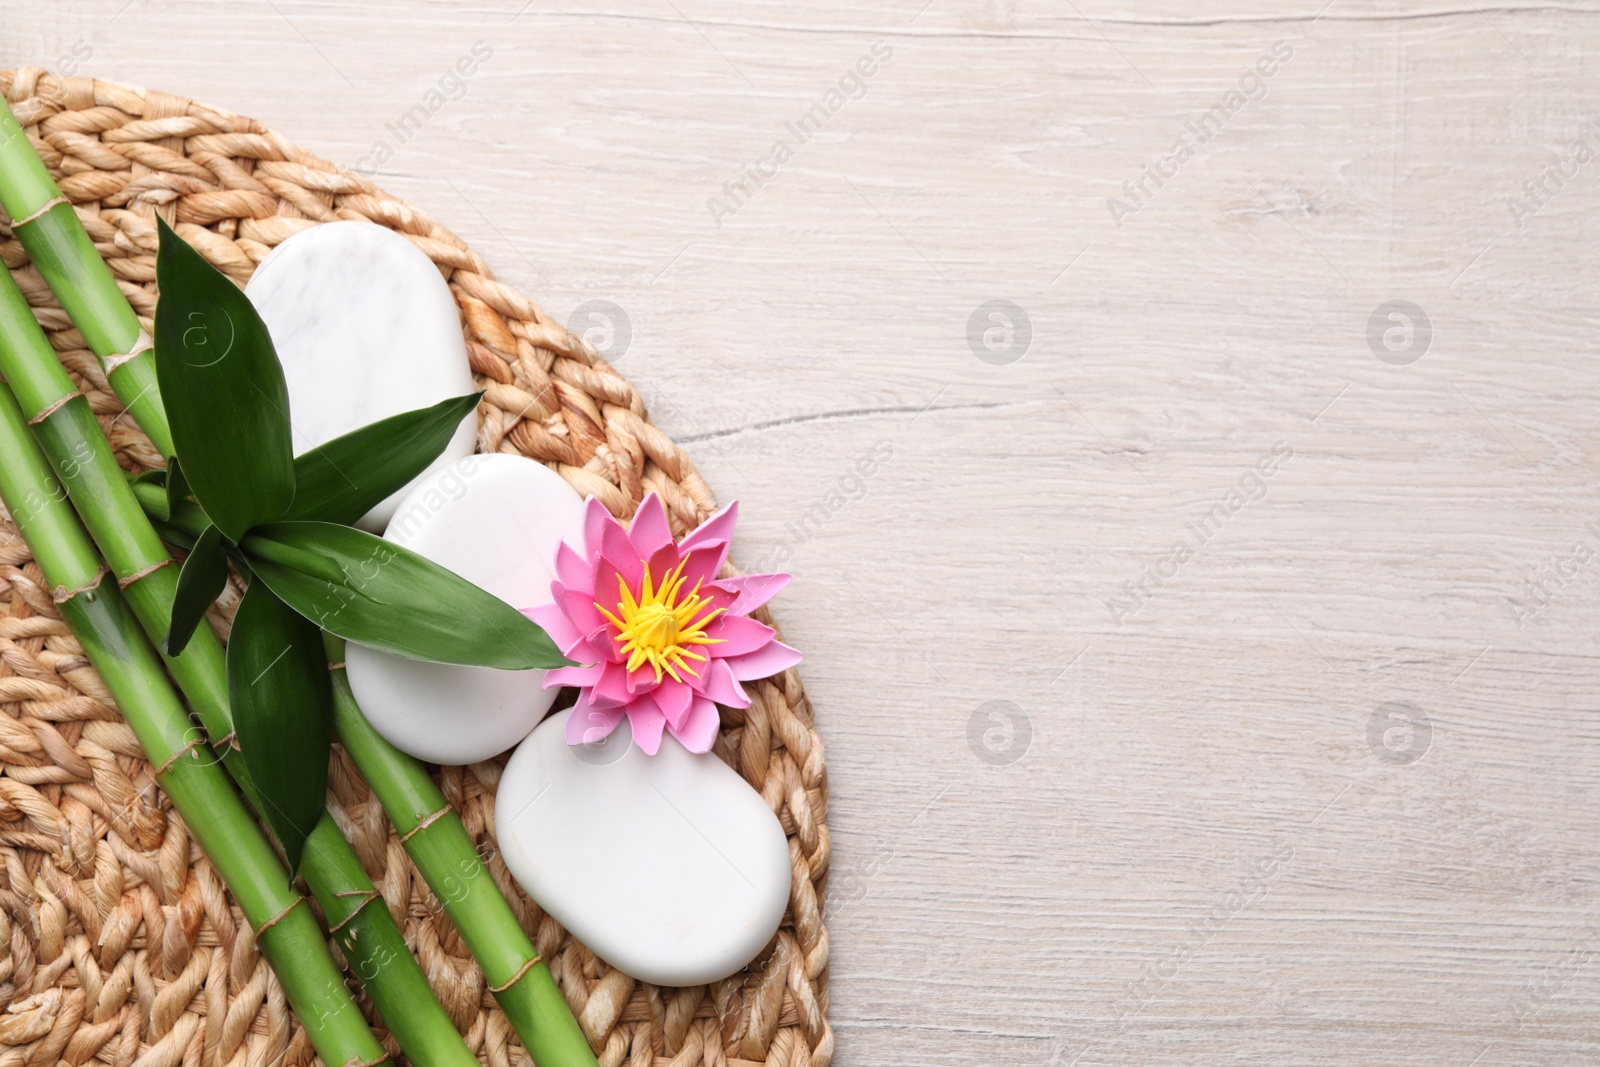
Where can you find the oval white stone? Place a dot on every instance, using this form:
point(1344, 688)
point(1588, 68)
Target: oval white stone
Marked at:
point(496, 521)
point(365, 327)
point(669, 867)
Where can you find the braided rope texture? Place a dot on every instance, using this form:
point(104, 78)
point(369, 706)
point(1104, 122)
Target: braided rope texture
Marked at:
point(121, 945)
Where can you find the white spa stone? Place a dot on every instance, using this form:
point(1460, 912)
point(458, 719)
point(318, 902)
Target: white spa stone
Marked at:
point(365, 327)
point(669, 867)
point(496, 521)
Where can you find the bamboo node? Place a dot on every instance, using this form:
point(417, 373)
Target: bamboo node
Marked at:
point(524, 969)
point(166, 764)
point(369, 894)
point(53, 202)
point(117, 359)
point(424, 824)
point(276, 919)
point(143, 572)
point(61, 594)
point(53, 407)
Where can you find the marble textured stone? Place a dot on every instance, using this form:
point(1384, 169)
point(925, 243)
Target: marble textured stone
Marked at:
point(365, 328)
point(669, 867)
point(496, 520)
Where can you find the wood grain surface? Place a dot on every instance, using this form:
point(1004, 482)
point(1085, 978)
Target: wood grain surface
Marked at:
point(1288, 605)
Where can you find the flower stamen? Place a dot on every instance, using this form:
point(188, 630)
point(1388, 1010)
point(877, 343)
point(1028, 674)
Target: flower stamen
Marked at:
point(657, 627)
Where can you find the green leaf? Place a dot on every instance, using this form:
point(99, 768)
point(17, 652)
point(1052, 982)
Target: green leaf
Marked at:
point(375, 593)
point(201, 581)
point(171, 534)
point(187, 518)
point(347, 477)
point(282, 713)
point(224, 392)
point(177, 486)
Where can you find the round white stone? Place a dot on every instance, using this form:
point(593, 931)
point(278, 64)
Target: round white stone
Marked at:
point(495, 520)
point(669, 867)
point(365, 328)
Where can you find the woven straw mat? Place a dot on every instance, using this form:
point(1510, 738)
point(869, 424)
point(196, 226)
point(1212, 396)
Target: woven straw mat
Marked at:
point(121, 945)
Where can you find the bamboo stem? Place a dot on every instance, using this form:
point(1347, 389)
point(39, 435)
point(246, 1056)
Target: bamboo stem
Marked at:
point(70, 437)
point(288, 934)
point(59, 246)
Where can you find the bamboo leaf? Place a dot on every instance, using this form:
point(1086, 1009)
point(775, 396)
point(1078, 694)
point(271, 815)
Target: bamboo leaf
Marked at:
point(177, 486)
point(282, 713)
point(201, 581)
point(375, 593)
point(180, 528)
point(345, 478)
point(224, 392)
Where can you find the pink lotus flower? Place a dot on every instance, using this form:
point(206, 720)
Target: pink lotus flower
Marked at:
point(665, 641)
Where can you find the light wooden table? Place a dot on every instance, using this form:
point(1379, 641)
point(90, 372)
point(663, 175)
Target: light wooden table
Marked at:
point(1324, 791)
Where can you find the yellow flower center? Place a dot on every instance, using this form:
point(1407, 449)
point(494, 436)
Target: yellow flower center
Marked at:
point(662, 624)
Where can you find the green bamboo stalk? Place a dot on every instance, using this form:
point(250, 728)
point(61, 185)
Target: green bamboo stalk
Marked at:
point(523, 985)
point(67, 431)
point(288, 934)
point(59, 246)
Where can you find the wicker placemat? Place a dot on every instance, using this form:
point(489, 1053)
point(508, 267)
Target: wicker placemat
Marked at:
point(121, 945)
